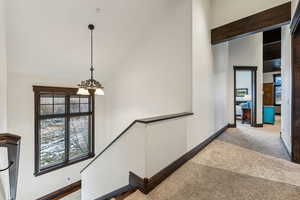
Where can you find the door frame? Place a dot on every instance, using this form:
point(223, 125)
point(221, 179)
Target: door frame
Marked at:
point(253, 92)
point(295, 32)
point(295, 125)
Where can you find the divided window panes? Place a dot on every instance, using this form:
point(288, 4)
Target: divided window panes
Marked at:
point(63, 130)
point(278, 89)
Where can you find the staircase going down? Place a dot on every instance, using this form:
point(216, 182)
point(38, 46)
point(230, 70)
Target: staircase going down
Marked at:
point(226, 169)
point(136, 150)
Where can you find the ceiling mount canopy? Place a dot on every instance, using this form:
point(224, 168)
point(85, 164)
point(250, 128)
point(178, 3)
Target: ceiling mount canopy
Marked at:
point(91, 86)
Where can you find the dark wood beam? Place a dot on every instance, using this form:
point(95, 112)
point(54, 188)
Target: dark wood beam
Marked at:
point(263, 21)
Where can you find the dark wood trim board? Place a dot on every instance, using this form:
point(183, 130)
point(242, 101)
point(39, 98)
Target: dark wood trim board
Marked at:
point(295, 32)
point(117, 193)
point(259, 125)
point(231, 125)
point(58, 194)
point(262, 21)
point(50, 89)
point(296, 96)
point(254, 92)
point(295, 139)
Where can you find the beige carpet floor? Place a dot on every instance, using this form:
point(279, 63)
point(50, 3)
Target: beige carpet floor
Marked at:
point(264, 140)
point(243, 164)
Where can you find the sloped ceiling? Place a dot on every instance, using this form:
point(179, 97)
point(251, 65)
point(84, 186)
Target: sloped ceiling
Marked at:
point(50, 37)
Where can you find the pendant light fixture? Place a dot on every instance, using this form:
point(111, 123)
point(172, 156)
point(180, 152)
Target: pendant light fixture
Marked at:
point(91, 85)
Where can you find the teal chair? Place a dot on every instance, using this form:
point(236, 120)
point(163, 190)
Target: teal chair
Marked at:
point(269, 115)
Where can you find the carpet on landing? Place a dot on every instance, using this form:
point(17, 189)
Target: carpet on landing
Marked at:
point(243, 164)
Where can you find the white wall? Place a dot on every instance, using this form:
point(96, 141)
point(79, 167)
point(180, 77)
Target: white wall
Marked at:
point(156, 78)
point(111, 170)
point(51, 38)
point(3, 99)
point(143, 89)
point(3, 68)
point(209, 80)
point(247, 51)
point(286, 110)
point(226, 11)
point(145, 149)
point(2, 192)
point(165, 143)
point(221, 71)
point(21, 122)
point(243, 80)
point(143, 50)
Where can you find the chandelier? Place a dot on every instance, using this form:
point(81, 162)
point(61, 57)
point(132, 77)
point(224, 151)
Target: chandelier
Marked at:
point(91, 86)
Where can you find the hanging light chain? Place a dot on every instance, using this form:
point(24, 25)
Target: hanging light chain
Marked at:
point(91, 27)
point(91, 84)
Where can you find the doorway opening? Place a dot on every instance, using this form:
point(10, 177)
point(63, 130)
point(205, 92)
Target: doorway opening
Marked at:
point(272, 62)
point(290, 131)
point(245, 97)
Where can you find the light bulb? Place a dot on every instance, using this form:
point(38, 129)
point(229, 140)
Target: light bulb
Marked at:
point(82, 91)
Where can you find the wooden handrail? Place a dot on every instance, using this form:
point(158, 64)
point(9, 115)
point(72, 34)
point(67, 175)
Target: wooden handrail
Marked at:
point(9, 166)
point(9, 139)
point(12, 143)
point(62, 192)
point(143, 121)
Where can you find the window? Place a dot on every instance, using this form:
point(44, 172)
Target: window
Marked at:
point(64, 128)
point(277, 89)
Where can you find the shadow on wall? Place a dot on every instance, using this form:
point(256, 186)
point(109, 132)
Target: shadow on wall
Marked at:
point(2, 193)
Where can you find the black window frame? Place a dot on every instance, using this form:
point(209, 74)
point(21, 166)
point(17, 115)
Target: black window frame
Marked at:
point(276, 86)
point(68, 93)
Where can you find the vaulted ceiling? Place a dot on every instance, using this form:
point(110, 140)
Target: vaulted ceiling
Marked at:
point(50, 37)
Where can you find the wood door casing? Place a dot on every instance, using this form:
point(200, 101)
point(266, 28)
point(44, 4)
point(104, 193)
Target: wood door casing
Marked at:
point(268, 94)
point(253, 71)
point(295, 30)
point(296, 96)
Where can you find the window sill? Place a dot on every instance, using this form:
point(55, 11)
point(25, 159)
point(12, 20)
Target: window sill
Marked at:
point(62, 165)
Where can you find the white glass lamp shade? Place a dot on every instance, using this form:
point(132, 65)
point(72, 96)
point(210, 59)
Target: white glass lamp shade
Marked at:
point(82, 91)
point(99, 91)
